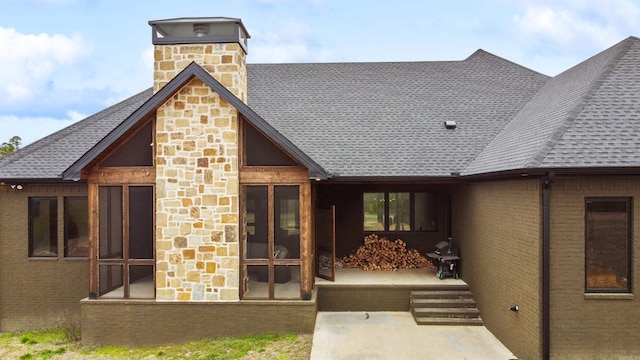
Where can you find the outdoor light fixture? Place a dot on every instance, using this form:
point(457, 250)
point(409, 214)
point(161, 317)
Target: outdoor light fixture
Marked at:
point(515, 308)
point(16, 186)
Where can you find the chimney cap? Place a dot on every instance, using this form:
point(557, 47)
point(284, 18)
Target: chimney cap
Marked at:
point(192, 30)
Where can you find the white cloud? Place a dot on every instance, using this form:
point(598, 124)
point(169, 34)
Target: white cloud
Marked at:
point(292, 41)
point(32, 59)
point(31, 129)
point(147, 58)
point(581, 26)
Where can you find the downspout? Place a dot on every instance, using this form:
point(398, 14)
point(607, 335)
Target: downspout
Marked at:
point(546, 265)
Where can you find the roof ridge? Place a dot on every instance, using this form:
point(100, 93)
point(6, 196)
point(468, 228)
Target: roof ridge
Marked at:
point(481, 51)
point(595, 85)
point(80, 124)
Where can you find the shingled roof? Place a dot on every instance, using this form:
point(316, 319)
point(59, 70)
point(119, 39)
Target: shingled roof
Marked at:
point(49, 157)
point(386, 120)
point(585, 117)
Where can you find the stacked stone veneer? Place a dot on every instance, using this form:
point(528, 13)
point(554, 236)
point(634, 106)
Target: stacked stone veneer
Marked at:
point(197, 205)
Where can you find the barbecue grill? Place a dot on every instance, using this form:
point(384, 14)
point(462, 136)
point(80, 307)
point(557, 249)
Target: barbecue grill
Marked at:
point(445, 258)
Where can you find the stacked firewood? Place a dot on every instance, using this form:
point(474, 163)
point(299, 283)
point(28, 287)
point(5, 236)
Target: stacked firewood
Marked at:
point(383, 254)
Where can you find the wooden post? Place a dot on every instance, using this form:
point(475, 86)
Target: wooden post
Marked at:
point(306, 240)
point(92, 199)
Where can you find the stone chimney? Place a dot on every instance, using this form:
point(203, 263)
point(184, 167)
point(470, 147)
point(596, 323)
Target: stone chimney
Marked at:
point(218, 44)
point(197, 190)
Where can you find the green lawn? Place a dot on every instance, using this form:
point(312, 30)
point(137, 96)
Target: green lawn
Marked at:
point(55, 344)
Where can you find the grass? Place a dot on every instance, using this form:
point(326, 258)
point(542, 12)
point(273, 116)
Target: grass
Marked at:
point(55, 344)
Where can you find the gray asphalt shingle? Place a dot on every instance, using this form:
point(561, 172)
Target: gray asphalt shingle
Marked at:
point(387, 119)
point(364, 120)
point(560, 127)
point(48, 157)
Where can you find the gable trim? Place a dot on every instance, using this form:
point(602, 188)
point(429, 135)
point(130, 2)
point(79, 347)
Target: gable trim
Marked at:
point(194, 70)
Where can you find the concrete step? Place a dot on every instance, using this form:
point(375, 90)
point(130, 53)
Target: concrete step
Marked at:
point(443, 303)
point(446, 312)
point(448, 321)
point(441, 294)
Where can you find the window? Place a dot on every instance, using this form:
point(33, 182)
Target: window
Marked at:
point(43, 227)
point(76, 227)
point(608, 245)
point(400, 211)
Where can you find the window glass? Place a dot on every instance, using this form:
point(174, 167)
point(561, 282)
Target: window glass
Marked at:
point(76, 227)
point(373, 209)
point(607, 244)
point(399, 208)
point(400, 211)
point(43, 227)
point(425, 212)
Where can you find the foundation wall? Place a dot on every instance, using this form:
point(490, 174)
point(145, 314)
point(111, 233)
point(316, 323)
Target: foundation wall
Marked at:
point(139, 323)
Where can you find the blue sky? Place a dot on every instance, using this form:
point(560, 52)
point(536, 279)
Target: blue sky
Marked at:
point(62, 60)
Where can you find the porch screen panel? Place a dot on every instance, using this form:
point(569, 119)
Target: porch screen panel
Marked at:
point(607, 245)
point(373, 210)
point(287, 222)
point(257, 226)
point(110, 279)
point(110, 232)
point(141, 222)
point(141, 284)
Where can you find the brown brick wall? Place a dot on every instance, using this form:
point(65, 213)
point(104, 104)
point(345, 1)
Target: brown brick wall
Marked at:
point(497, 226)
point(589, 328)
point(36, 293)
point(364, 298)
point(137, 323)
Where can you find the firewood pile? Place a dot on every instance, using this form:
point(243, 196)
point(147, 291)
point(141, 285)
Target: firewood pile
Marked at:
point(383, 254)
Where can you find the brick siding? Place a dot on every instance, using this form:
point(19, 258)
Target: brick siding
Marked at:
point(583, 327)
point(37, 293)
point(497, 226)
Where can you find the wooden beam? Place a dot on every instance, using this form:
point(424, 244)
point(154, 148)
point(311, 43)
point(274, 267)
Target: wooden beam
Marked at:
point(123, 175)
point(273, 175)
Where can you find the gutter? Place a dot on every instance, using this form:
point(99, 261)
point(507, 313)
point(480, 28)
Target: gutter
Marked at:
point(546, 266)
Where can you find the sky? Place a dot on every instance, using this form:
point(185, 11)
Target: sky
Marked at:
point(63, 60)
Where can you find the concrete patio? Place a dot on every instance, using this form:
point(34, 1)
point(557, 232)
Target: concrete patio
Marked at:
point(395, 335)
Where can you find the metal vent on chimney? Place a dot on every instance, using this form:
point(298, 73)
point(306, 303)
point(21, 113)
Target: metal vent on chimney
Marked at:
point(199, 30)
point(450, 124)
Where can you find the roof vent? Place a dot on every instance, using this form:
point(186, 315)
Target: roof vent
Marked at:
point(449, 124)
